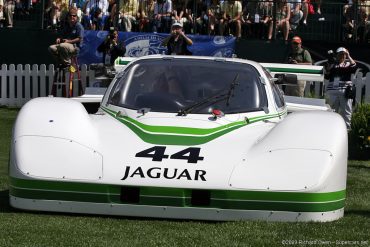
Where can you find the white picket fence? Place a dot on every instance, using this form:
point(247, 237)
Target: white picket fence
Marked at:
point(362, 83)
point(19, 84)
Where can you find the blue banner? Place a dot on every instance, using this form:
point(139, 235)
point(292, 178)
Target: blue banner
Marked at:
point(141, 44)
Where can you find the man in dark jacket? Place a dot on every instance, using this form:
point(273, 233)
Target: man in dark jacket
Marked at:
point(177, 43)
point(111, 48)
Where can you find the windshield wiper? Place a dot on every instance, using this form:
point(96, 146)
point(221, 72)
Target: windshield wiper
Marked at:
point(212, 99)
point(231, 89)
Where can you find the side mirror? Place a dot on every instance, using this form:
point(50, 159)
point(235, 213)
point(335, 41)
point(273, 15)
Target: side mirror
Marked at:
point(286, 79)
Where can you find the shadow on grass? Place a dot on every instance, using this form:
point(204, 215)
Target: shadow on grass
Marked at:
point(4, 202)
point(364, 213)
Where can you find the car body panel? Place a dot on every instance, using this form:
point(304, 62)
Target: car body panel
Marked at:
point(261, 164)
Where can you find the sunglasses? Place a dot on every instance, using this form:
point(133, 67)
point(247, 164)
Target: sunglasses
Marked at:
point(73, 15)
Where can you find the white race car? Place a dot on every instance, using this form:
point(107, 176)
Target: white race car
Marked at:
point(183, 137)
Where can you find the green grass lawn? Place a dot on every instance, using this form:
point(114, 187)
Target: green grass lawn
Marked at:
point(21, 228)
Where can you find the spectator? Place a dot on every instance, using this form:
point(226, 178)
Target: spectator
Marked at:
point(339, 90)
point(69, 41)
point(298, 55)
point(145, 15)
point(319, 7)
point(111, 48)
point(188, 20)
point(349, 21)
point(178, 10)
point(258, 16)
point(9, 6)
point(192, 11)
point(79, 4)
point(201, 17)
point(162, 15)
point(96, 13)
point(2, 17)
point(177, 43)
point(111, 19)
point(128, 11)
point(362, 25)
point(296, 14)
point(231, 17)
point(365, 5)
point(281, 19)
point(214, 15)
point(56, 11)
point(306, 8)
point(250, 18)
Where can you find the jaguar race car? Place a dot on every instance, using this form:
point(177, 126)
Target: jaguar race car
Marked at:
point(187, 138)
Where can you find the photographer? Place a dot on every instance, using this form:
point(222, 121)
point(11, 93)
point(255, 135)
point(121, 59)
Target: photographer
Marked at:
point(177, 42)
point(340, 90)
point(297, 55)
point(111, 48)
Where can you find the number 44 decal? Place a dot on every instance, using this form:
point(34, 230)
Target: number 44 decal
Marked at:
point(157, 153)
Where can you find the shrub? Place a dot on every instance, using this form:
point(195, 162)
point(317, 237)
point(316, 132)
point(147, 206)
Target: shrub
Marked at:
point(359, 136)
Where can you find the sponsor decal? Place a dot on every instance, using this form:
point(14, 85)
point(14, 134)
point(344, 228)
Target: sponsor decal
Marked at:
point(140, 44)
point(157, 154)
point(167, 173)
point(146, 44)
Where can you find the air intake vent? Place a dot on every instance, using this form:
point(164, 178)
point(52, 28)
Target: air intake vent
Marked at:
point(200, 198)
point(130, 194)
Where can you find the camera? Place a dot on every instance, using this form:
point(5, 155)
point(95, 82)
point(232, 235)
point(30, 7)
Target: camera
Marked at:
point(350, 92)
point(291, 60)
point(331, 57)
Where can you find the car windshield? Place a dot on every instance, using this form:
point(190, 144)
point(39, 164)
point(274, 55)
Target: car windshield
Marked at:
point(171, 85)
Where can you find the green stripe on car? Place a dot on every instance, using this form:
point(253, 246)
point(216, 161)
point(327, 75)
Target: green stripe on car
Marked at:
point(294, 70)
point(177, 135)
point(158, 196)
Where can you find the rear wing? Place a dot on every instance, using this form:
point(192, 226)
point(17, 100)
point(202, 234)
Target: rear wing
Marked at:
point(303, 72)
point(121, 62)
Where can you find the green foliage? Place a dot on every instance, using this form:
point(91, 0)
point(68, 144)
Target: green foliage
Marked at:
point(359, 136)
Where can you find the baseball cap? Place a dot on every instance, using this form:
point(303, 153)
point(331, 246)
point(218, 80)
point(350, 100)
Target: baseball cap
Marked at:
point(112, 30)
point(177, 24)
point(341, 49)
point(296, 39)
